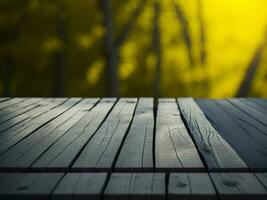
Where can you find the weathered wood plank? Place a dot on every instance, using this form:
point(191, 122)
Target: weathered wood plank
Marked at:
point(21, 156)
point(137, 150)
point(252, 112)
point(28, 186)
point(218, 154)
point(80, 186)
point(16, 124)
point(246, 139)
point(262, 177)
point(250, 102)
point(11, 102)
point(122, 186)
point(61, 155)
point(2, 99)
point(35, 124)
point(259, 102)
point(243, 186)
point(189, 186)
point(174, 149)
point(18, 109)
point(101, 151)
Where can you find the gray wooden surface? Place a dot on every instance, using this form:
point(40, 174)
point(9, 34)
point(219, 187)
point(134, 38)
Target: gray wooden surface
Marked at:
point(132, 148)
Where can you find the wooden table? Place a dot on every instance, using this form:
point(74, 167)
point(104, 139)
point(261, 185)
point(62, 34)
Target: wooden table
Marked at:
point(130, 148)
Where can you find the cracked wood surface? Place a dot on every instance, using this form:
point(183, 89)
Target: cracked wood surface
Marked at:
point(218, 154)
point(174, 149)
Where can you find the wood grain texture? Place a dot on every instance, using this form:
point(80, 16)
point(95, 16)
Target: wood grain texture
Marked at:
point(237, 186)
point(262, 103)
point(22, 156)
point(218, 154)
point(101, 151)
point(11, 102)
point(28, 186)
point(174, 149)
point(80, 186)
point(138, 186)
point(238, 130)
point(18, 109)
point(60, 156)
point(2, 99)
point(137, 150)
point(189, 186)
point(10, 139)
point(262, 177)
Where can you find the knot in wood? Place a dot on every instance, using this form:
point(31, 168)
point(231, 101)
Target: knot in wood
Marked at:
point(230, 183)
point(181, 184)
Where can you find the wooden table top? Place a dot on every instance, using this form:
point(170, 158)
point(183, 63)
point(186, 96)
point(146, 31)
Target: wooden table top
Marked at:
point(133, 148)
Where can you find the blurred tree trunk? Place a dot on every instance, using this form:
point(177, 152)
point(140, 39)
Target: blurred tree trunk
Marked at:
point(8, 69)
point(60, 66)
point(252, 68)
point(185, 31)
point(202, 53)
point(110, 50)
point(112, 46)
point(157, 48)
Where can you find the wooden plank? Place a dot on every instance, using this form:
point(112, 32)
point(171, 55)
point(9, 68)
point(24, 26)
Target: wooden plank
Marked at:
point(14, 125)
point(218, 154)
point(11, 102)
point(253, 104)
point(243, 186)
point(262, 177)
point(17, 113)
point(18, 109)
point(36, 124)
point(261, 117)
point(80, 186)
point(2, 99)
point(259, 102)
point(137, 150)
point(64, 151)
point(246, 139)
point(138, 186)
point(28, 186)
point(189, 186)
point(22, 156)
point(174, 149)
point(101, 151)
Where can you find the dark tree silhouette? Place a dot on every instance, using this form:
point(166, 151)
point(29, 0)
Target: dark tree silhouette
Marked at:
point(60, 68)
point(112, 45)
point(157, 48)
point(252, 68)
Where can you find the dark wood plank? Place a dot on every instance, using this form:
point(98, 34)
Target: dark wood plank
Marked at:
point(252, 112)
point(137, 150)
point(80, 186)
point(28, 186)
point(138, 186)
point(253, 104)
point(246, 139)
point(218, 154)
point(34, 124)
point(189, 186)
point(22, 156)
point(174, 149)
point(101, 151)
point(60, 156)
point(259, 102)
point(262, 177)
point(243, 186)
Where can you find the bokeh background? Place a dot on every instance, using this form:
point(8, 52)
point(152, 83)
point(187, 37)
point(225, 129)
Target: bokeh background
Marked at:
point(161, 48)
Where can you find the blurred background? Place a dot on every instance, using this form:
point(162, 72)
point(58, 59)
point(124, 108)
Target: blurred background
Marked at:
point(160, 48)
